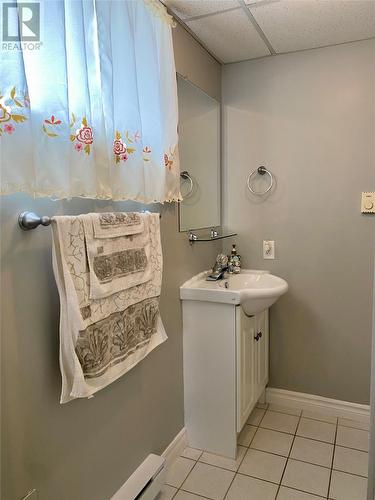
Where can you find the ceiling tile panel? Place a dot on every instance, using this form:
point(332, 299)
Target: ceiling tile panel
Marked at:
point(229, 36)
point(293, 25)
point(184, 9)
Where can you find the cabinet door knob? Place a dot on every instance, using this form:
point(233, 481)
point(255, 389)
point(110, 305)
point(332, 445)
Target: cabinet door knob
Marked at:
point(258, 336)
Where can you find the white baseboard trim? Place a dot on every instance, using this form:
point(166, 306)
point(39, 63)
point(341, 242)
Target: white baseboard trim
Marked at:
point(175, 448)
point(334, 407)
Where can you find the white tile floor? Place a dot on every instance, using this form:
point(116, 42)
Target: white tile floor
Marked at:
point(283, 454)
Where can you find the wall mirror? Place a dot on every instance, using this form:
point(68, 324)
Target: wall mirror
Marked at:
point(199, 147)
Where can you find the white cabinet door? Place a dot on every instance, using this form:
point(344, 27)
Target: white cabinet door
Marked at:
point(261, 352)
point(246, 386)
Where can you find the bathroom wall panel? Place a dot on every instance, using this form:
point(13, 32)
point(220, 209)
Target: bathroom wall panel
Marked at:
point(194, 63)
point(86, 449)
point(310, 118)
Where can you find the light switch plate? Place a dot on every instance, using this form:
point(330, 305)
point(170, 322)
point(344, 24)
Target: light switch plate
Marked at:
point(368, 203)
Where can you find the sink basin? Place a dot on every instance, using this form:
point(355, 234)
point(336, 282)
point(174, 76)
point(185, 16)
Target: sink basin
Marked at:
point(254, 290)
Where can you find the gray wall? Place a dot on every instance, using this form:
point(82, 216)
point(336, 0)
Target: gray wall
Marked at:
point(310, 118)
point(86, 449)
point(195, 64)
point(371, 465)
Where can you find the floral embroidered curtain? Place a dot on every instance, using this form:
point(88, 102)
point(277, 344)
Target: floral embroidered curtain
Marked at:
point(92, 111)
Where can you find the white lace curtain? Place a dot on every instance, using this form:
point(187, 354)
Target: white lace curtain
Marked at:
point(93, 111)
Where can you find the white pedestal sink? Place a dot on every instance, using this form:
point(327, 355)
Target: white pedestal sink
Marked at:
point(226, 338)
point(254, 290)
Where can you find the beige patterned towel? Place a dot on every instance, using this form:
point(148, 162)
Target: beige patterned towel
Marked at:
point(118, 263)
point(102, 339)
point(113, 224)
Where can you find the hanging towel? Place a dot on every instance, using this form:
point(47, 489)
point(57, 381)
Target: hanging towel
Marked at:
point(101, 339)
point(117, 263)
point(112, 224)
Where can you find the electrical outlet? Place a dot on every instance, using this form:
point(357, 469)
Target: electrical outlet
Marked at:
point(268, 249)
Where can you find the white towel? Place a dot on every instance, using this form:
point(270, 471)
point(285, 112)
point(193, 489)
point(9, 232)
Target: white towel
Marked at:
point(118, 263)
point(112, 224)
point(100, 340)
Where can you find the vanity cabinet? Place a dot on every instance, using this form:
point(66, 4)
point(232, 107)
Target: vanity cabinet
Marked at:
point(225, 372)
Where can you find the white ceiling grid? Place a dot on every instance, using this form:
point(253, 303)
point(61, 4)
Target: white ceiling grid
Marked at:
point(236, 30)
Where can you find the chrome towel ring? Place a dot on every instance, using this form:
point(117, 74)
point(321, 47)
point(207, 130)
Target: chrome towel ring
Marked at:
point(187, 177)
point(261, 171)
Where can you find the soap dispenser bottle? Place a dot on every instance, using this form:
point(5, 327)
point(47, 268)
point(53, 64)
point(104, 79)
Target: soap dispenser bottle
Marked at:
point(234, 263)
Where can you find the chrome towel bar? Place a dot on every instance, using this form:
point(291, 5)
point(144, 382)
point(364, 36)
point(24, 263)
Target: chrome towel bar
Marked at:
point(31, 220)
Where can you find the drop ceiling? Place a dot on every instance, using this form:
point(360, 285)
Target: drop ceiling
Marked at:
point(236, 30)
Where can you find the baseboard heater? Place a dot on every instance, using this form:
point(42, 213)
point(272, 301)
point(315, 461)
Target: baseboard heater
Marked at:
point(146, 482)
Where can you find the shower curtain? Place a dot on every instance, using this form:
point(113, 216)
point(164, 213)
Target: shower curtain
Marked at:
point(92, 110)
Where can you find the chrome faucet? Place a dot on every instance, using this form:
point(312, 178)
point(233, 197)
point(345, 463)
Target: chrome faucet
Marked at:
point(219, 269)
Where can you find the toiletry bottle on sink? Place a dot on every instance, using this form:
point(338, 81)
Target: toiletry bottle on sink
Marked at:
point(234, 263)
